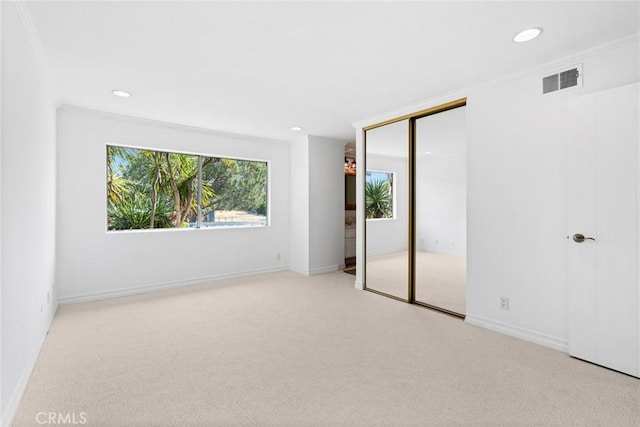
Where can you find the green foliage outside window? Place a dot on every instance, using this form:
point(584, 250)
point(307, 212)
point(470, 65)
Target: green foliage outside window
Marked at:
point(155, 189)
point(378, 195)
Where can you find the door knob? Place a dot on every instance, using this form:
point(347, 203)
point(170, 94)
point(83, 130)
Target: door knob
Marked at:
point(579, 238)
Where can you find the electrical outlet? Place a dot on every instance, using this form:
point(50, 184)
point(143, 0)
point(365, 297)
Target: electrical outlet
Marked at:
point(504, 303)
point(278, 257)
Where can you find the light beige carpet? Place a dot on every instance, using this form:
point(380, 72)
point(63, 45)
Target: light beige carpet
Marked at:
point(288, 350)
point(440, 279)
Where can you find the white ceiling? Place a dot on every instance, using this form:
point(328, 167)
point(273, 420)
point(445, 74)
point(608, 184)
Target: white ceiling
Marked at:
point(261, 67)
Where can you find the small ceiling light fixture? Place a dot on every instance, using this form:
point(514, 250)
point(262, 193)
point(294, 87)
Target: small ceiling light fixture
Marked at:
point(121, 93)
point(427, 152)
point(527, 35)
point(296, 128)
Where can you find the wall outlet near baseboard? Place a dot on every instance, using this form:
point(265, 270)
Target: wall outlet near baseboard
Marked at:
point(278, 257)
point(504, 303)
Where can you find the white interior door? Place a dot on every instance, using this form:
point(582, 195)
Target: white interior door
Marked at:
point(604, 321)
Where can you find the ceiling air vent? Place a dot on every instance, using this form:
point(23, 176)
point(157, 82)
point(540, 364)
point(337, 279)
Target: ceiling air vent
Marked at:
point(562, 80)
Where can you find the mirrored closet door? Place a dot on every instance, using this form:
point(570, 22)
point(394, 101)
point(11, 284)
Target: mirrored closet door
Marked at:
point(441, 210)
point(386, 209)
point(416, 208)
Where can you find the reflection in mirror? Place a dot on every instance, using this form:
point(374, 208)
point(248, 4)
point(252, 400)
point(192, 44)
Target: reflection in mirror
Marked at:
point(386, 202)
point(441, 206)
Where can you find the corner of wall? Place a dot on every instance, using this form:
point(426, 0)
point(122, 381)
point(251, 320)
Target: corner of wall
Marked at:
point(16, 24)
point(32, 33)
point(360, 215)
point(299, 223)
point(21, 386)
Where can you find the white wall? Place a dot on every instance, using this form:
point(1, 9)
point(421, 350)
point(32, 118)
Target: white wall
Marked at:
point(390, 235)
point(441, 204)
point(93, 263)
point(317, 204)
point(517, 210)
point(28, 204)
point(517, 221)
point(299, 241)
point(326, 196)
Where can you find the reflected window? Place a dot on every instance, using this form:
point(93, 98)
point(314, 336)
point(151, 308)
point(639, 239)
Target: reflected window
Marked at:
point(379, 195)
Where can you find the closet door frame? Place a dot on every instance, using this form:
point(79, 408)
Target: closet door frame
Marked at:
point(411, 232)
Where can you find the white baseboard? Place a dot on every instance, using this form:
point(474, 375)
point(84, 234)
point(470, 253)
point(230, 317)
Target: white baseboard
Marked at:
point(23, 380)
point(95, 296)
point(522, 333)
point(315, 271)
point(298, 270)
point(323, 270)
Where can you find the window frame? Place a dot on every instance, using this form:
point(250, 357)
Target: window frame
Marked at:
point(200, 155)
point(393, 194)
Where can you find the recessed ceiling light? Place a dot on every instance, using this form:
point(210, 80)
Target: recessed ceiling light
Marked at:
point(528, 34)
point(296, 128)
point(121, 93)
point(427, 152)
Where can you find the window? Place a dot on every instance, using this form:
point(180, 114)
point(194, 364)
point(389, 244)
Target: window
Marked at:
point(379, 195)
point(158, 189)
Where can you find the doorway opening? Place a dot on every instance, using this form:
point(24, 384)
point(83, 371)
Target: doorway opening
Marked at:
point(350, 208)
